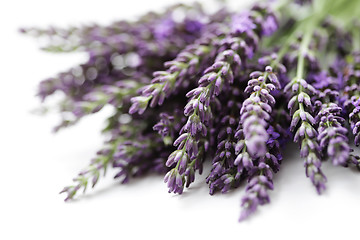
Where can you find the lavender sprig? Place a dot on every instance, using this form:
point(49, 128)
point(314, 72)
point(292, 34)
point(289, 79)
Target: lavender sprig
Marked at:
point(306, 135)
point(259, 140)
point(333, 142)
point(256, 110)
point(91, 173)
point(224, 175)
point(300, 106)
point(261, 177)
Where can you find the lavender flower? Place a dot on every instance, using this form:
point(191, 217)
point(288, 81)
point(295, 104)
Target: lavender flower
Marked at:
point(261, 175)
point(170, 125)
point(332, 134)
point(256, 190)
point(224, 175)
point(258, 140)
point(299, 105)
point(256, 110)
point(91, 174)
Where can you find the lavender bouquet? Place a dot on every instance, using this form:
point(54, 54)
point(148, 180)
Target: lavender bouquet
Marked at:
point(230, 87)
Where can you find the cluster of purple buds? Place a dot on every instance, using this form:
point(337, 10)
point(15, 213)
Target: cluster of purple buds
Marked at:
point(224, 175)
point(332, 135)
point(257, 191)
point(181, 94)
point(169, 125)
point(303, 124)
point(258, 139)
point(260, 179)
point(256, 110)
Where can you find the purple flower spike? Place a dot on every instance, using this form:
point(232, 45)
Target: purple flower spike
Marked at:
point(332, 138)
point(256, 110)
point(303, 124)
point(258, 148)
point(261, 175)
point(312, 168)
point(89, 175)
point(224, 175)
point(175, 181)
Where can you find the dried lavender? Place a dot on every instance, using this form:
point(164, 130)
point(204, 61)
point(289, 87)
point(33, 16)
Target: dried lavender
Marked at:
point(180, 94)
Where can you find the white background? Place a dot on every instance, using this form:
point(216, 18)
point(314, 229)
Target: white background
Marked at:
point(36, 164)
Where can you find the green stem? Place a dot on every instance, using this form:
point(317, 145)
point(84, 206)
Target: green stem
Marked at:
point(304, 47)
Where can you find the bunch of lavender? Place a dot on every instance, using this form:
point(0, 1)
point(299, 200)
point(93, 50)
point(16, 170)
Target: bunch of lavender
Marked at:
point(232, 87)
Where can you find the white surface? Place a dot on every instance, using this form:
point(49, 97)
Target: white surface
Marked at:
point(35, 164)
